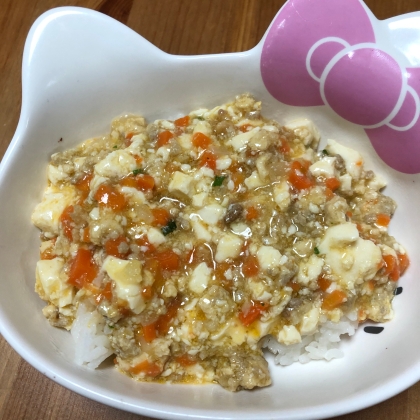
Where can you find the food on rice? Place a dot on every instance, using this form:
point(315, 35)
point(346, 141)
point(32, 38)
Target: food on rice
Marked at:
point(184, 247)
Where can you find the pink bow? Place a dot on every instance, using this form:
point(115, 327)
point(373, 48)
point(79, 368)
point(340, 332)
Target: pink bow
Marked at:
point(323, 52)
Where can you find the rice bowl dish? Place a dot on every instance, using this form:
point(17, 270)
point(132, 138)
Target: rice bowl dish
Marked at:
point(65, 102)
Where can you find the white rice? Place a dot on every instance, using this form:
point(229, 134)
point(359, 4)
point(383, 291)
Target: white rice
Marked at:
point(92, 345)
point(321, 345)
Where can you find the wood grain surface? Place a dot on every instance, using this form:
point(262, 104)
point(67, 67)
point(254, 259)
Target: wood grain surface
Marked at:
point(177, 27)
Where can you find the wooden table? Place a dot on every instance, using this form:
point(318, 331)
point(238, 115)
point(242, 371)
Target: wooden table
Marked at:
point(177, 27)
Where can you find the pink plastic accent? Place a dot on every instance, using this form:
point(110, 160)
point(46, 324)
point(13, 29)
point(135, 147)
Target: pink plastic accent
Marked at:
point(323, 52)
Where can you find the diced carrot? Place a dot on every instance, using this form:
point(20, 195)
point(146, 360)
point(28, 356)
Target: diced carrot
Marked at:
point(251, 267)
point(391, 267)
point(146, 246)
point(370, 285)
point(168, 260)
point(106, 293)
point(245, 127)
point(139, 159)
point(148, 368)
point(129, 181)
point(404, 262)
point(252, 312)
point(83, 184)
point(284, 147)
point(208, 159)
point(160, 217)
point(383, 219)
point(163, 138)
point(86, 235)
point(116, 247)
point(47, 254)
point(298, 177)
point(323, 283)
point(149, 332)
point(238, 179)
point(145, 182)
point(186, 360)
point(82, 269)
point(295, 286)
point(251, 213)
point(333, 300)
point(332, 183)
point(164, 321)
point(349, 214)
point(147, 292)
point(130, 135)
point(328, 194)
point(201, 140)
point(67, 222)
point(108, 196)
point(182, 122)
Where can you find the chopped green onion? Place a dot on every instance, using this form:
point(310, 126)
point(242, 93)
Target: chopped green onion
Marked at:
point(169, 228)
point(316, 250)
point(200, 118)
point(325, 152)
point(115, 147)
point(218, 181)
point(138, 171)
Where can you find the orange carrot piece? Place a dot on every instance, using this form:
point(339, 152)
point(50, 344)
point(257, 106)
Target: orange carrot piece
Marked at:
point(295, 286)
point(148, 368)
point(201, 140)
point(113, 246)
point(332, 183)
point(67, 222)
point(391, 267)
point(106, 293)
point(108, 196)
point(182, 122)
point(160, 217)
point(149, 332)
point(404, 262)
point(186, 360)
point(147, 292)
point(144, 243)
point(164, 321)
point(208, 159)
point(323, 283)
point(145, 182)
point(251, 267)
point(163, 138)
point(333, 300)
point(284, 147)
point(168, 260)
point(298, 177)
point(252, 313)
point(83, 270)
point(86, 235)
point(383, 219)
point(245, 127)
point(251, 213)
point(83, 184)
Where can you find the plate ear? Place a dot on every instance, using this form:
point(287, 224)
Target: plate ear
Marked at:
point(65, 48)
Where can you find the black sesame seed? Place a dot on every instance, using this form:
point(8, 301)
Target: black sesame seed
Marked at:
point(398, 291)
point(373, 330)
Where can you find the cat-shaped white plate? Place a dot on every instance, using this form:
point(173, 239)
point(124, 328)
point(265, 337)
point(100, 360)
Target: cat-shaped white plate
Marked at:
point(331, 61)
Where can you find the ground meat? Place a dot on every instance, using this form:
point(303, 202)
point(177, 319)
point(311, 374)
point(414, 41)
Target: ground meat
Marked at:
point(233, 213)
point(55, 318)
point(335, 211)
point(123, 342)
point(242, 371)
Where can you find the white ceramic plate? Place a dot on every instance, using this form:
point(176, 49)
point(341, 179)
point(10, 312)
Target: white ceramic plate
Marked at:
point(81, 69)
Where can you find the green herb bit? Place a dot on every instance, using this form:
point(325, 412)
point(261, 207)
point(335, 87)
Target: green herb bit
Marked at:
point(325, 152)
point(138, 171)
point(115, 147)
point(218, 181)
point(169, 228)
point(316, 251)
point(200, 118)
